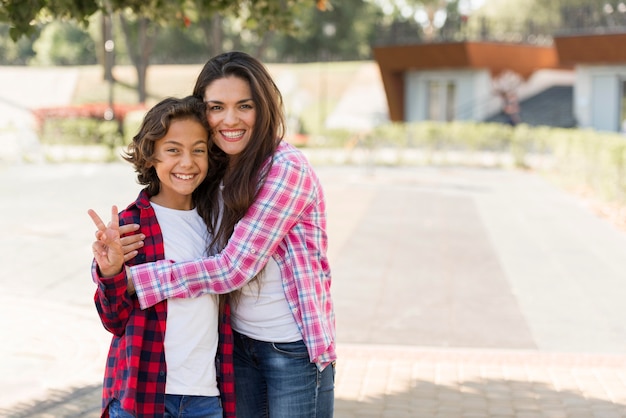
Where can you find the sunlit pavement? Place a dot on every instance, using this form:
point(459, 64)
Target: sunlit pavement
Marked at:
point(458, 292)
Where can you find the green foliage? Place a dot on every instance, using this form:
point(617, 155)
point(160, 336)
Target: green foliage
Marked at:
point(262, 16)
point(273, 30)
point(19, 14)
point(64, 43)
point(591, 160)
point(25, 15)
point(258, 15)
point(132, 123)
point(175, 45)
point(346, 31)
point(580, 159)
point(442, 136)
point(80, 131)
point(12, 52)
point(158, 11)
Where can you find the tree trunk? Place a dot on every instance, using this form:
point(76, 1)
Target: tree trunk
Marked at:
point(213, 34)
point(218, 34)
point(264, 43)
point(139, 49)
point(107, 52)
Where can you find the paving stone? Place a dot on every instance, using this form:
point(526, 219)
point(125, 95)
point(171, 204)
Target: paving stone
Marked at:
point(429, 344)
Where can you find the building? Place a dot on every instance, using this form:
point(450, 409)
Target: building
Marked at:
point(599, 63)
point(574, 81)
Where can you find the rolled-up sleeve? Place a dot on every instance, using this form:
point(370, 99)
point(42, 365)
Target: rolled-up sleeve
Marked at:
point(286, 193)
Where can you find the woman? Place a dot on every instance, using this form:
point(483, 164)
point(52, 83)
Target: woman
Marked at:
point(269, 223)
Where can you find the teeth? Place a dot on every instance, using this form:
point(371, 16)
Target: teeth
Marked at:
point(184, 176)
point(233, 134)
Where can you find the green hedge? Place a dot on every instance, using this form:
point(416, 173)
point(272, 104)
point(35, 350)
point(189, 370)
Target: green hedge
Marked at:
point(596, 161)
point(578, 158)
point(88, 132)
point(79, 131)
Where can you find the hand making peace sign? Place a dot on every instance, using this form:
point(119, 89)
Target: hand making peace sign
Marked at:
point(107, 249)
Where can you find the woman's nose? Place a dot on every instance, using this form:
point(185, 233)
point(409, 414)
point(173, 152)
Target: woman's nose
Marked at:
point(231, 116)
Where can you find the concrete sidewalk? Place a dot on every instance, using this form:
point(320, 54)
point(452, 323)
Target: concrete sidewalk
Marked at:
point(407, 382)
point(458, 292)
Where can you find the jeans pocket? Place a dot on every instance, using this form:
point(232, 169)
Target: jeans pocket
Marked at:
point(296, 349)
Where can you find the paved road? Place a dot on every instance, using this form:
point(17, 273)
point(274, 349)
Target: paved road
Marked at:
point(474, 258)
point(457, 291)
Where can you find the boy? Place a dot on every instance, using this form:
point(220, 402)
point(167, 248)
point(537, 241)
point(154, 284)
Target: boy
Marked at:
point(161, 362)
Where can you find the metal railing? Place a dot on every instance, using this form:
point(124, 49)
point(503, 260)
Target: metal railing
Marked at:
point(607, 18)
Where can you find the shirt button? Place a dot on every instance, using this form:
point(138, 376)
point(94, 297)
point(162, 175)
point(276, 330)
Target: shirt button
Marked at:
point(253, 251)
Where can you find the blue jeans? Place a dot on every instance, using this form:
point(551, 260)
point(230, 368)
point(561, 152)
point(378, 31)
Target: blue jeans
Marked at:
point(183, 406)
point(179, 406)
point(116, 411)
point(277, 380)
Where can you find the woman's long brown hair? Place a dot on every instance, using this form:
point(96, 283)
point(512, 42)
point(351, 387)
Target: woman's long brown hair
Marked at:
point(242, 178)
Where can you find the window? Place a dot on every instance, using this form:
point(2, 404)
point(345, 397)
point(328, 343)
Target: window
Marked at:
point(622, 103)
point(434, 100)
point(441, 100)
point(450, 102)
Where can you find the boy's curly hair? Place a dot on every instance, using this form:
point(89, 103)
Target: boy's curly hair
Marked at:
point(156, 123)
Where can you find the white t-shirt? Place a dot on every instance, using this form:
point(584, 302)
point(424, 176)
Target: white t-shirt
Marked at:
point(264, 314)
point(191, 333)
point(262, 311)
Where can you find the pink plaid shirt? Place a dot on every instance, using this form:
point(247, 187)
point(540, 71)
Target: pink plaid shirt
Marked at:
point(287, 221)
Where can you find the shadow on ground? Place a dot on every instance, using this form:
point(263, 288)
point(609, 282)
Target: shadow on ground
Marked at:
point(83, 402)
point(487, 398)
point(484, 398)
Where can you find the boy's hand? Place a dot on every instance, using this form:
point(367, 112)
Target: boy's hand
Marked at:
point(107, 249)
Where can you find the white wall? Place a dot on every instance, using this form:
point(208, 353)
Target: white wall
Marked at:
point(600, 108)
point(474, 99)
point(475, 95)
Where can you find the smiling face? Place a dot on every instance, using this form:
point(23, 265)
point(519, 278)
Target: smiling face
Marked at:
point(182, 163)
point(231, 113)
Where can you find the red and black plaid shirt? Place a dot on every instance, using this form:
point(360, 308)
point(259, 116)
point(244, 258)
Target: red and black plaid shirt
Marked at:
point(135, 371)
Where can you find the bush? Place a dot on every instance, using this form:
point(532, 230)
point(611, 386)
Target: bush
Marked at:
point(582, 159)
point(64, 43)
point(82, 131)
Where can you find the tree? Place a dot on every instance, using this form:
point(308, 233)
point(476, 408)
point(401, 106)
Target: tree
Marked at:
point(139, 34)
point(64, 44)
point(430, 14)
point(140, 19)
point(23, 15)
point(256, 21)
point(346, 31)
point(551, 17)
point(15, 53)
